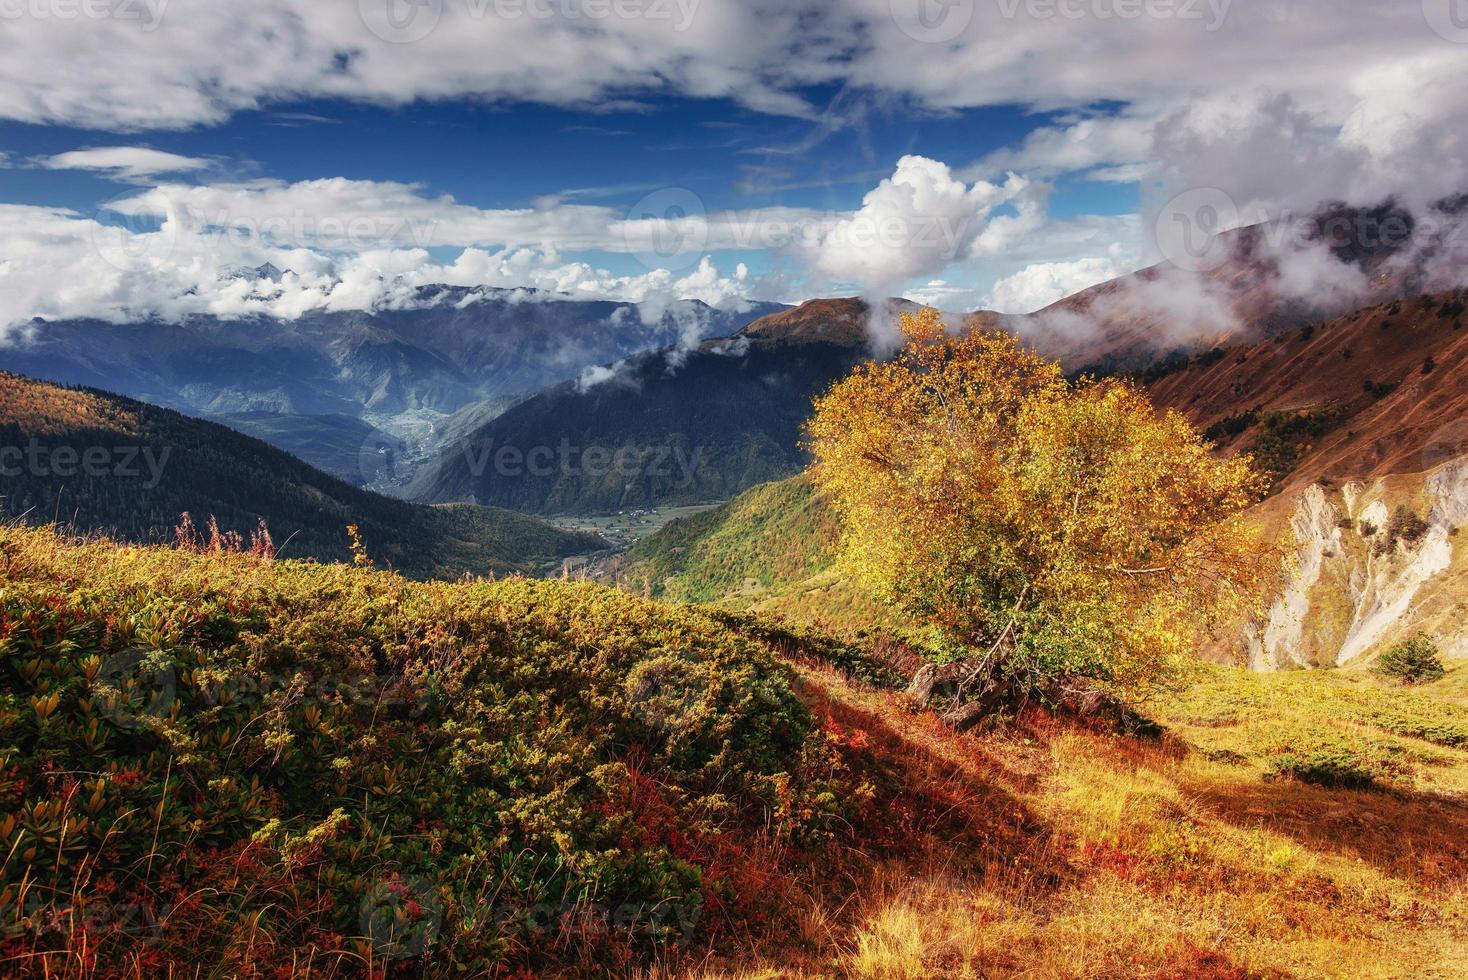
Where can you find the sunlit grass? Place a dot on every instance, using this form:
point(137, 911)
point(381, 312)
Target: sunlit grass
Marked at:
point(1038, 846)
point(1172, 857)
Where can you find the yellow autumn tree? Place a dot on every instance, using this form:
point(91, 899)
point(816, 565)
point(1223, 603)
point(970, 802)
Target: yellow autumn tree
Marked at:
point(1044, 528)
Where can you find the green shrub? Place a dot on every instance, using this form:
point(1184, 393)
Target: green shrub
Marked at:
point(1285, 438)
point(361, 766)
point(1334, 766)
point(1415, 660)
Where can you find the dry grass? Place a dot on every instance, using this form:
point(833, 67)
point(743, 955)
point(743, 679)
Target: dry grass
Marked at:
point(1041, 849)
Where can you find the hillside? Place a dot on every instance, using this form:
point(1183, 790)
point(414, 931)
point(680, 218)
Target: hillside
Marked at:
point(1382, 387)
point(772, 549)
point(1270, 281)
point(559, 779)
point(663, 428)
point(1264, 280)
point(100, 462)
point(335, 444)
point(408, 369)
point(1359, 419)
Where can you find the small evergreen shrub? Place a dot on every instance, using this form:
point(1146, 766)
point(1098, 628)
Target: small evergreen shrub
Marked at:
point(1406, 526)
point(1413, 661)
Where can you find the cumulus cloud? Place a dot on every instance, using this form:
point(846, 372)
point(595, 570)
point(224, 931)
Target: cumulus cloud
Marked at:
point(166, 250)
point(58, 264)
point(1278, 106)
point(1039, 285)
point(124, 162)
point(918, 221)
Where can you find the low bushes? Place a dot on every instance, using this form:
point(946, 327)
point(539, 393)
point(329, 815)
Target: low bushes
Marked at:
point(1335, 766)
point(361, 768)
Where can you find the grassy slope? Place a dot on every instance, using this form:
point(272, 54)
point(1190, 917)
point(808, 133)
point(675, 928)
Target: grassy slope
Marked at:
point(209, 470)
point(1410, 422)
point(771, 549)
point(773, 533)
point(221, 739)
point(576, 747)
point(1046, 850)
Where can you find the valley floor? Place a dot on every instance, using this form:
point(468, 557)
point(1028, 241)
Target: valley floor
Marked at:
point(1040, 849)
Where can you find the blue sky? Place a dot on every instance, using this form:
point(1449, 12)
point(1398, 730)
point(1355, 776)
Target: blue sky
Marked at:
point(499, 148)
point(509, 156)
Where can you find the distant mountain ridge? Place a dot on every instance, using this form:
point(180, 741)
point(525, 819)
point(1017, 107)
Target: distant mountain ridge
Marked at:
point(1362, 420)
point(661, 428)
point(451, 347)
point(1264, 280)
point(98, 462)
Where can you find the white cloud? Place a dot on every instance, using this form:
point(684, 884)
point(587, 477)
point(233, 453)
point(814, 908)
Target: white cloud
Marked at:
point(916, 222)
point(351, 244)
point(60, 265)
point(171, 65)
point(1037, 286)
point(128, 162)
point(1079, 146)
point(1278, 105)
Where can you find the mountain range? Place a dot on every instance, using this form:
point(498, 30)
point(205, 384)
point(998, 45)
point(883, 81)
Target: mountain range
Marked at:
point(96, 462)
point(663, 427)
point(1360, 419)
point(1339, 367)
point(401, 370)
